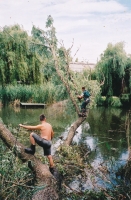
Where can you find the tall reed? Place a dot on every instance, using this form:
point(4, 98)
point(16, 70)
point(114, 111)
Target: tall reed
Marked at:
point(45, 93)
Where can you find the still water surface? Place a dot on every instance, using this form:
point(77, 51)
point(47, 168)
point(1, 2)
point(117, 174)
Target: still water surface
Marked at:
point(103, 131)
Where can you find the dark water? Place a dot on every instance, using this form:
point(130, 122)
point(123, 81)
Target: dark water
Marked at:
point(107, 135)
point(103, 131)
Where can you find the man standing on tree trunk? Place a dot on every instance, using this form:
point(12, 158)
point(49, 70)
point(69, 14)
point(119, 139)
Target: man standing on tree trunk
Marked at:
point(85, 95)
point(44, 140)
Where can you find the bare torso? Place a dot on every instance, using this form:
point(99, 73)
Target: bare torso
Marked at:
point(46, 131)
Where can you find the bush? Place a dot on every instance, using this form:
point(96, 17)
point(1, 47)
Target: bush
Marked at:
point(101, 101)
point(125, 99)
point(111, 101)
point(116, 102)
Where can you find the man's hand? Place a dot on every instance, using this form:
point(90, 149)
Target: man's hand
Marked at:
point(79, 97)
point(20, 125)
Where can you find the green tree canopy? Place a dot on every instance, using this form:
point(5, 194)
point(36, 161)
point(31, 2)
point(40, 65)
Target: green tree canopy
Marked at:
point(40, 46)
point(128, 76)
point(111, 69)
point(43, 39)
point(17, 61)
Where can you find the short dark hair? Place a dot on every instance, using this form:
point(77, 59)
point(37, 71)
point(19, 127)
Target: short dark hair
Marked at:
point(83, 88)
point(42, 117)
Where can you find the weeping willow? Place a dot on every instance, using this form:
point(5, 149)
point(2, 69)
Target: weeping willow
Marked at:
point(17, 61)
point(111, 69)
point(128, 76)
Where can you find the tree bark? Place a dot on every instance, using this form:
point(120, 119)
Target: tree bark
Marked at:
point(72, 130)
point(43, 175)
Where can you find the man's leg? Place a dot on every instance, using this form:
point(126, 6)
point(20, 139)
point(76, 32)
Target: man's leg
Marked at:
point(50, 161)
point(31, 150)
point(83, 109)
point(32, 140)
point(51, 167)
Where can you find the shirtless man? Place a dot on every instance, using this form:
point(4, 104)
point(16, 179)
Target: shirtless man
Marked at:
point(44, 140)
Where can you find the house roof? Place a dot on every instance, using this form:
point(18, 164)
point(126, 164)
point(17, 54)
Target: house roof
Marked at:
point(80, 66)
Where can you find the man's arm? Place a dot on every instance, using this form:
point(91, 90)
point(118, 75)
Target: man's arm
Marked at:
point(80, 96)
point(38, 127)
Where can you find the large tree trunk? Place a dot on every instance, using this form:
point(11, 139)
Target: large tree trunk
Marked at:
point(43, 175)
point(72, 130)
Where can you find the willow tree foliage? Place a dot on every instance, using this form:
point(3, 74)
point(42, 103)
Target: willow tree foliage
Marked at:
point(111, 69)
point(17, 61)
point(127, 82)
point(40, 46)
point(43, 39)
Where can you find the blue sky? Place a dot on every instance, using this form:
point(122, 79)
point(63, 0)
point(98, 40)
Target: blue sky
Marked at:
point(91, 24)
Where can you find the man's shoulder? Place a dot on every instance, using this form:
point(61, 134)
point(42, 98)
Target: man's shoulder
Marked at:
point(85, 92)
point(48, 124)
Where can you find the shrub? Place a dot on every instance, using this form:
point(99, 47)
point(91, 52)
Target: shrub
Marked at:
point(101, 101)
point(116, 102)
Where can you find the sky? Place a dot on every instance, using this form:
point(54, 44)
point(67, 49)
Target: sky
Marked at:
point(90, 25)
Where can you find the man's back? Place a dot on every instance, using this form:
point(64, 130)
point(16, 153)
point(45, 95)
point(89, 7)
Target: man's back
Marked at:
point(46, 131)
point(86, 94)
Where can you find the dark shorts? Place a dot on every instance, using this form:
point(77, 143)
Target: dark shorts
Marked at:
point(46, 144)
point(85, 103)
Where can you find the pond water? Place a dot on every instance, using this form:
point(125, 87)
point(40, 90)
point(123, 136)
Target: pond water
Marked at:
point(103, 131)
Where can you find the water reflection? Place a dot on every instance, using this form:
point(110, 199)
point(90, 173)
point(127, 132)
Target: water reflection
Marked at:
point(109, 134)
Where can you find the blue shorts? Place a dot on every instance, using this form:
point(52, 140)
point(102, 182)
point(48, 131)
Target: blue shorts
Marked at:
point(46, 144)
